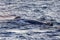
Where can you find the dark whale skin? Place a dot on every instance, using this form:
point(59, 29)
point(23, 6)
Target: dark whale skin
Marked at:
point(33, 22)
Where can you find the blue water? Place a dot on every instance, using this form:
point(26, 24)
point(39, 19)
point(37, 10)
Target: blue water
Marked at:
point(40, 20)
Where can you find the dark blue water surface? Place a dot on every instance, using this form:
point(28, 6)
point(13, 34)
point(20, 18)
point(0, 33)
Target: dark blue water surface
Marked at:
point(36, 20)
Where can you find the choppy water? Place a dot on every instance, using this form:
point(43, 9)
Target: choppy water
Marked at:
point(31, 26)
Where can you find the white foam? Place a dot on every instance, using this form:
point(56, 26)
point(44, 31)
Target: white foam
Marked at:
point(17, 31)
point(4, 18)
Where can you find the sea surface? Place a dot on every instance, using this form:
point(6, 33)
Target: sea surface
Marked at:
point(36, 20)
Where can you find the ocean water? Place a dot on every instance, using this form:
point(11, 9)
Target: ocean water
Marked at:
point(40, 20)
